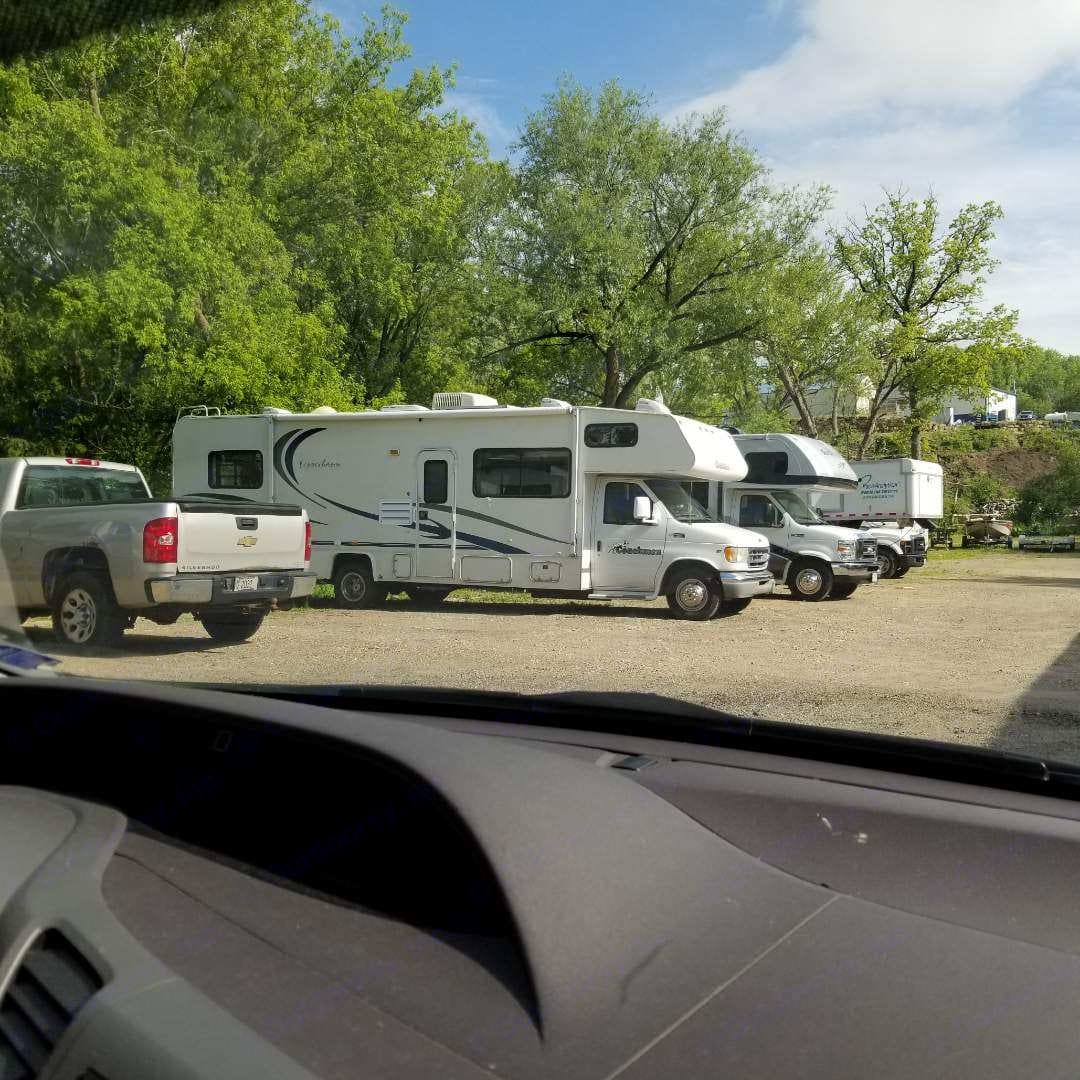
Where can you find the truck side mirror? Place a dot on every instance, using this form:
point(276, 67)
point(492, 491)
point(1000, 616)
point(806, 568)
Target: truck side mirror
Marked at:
point(643, 510)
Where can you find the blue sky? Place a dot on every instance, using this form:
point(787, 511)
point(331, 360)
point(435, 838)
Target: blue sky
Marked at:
point(976, 99)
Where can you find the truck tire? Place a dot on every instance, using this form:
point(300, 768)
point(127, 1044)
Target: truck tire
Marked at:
point(85, 614)
point(841, 590)
point(354, 586)
point(901, 571)
point(232, 629)
point(693, 595)
point(809, 579)
point(887, 562)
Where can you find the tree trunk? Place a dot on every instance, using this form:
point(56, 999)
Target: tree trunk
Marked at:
point(916, 442)
point(836, 412)
point(611, 376)
point(798, 398)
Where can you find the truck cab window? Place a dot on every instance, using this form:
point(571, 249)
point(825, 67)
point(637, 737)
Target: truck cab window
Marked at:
point(758, 512)
point(619, 498)
point(801, 512)
point(679, 502)
point(234, 469)
point(436, 482)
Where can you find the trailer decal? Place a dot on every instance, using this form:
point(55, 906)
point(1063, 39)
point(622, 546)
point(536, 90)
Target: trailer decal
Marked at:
point(495, 521)
point(472, 538)
point(281, 468)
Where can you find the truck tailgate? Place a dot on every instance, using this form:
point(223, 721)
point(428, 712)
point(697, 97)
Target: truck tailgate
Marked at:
point(251, 536)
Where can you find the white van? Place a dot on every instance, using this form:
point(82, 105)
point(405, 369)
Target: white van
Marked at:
point(897, 501)
point(581, 502)
point(814, 559)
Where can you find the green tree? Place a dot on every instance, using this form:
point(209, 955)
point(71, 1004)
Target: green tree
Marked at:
point(925, 284)
point(814, 336)
point(235, 207)
point(624, 251)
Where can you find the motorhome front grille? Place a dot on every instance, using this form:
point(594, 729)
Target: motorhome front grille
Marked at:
point(759, 557)
point(867, 549)
point(919, 545)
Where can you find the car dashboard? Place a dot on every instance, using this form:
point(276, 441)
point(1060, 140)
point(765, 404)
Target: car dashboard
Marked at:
point(202, 884)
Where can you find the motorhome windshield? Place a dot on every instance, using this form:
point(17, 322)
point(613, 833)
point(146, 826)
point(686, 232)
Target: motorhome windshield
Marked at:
point(800, 512)
point(680, 504)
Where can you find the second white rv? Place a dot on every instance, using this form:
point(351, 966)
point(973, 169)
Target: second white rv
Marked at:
point(816, 560)
point(563, 500)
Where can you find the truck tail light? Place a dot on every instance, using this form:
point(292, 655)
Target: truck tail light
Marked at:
point(82, 461)
point(159, 540)
point(307, 541)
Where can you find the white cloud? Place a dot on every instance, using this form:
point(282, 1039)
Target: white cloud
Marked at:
point(959, 96)
point(483, 114)
point(857, 57)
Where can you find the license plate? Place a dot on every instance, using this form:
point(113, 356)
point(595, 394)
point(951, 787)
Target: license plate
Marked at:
point(245, 584)
point(873, 578)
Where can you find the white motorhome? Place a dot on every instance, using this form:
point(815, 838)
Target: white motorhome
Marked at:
point(897, 501)
point(814, 559)
point(563, 500)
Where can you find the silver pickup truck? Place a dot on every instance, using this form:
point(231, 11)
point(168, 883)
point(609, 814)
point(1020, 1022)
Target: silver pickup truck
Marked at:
point(85, 540)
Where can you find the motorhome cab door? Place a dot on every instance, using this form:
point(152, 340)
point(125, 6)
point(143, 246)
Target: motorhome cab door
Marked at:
point(436, 514)
point(626, 553)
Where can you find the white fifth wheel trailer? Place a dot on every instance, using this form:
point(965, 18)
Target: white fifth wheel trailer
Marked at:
point(897, 501)
point(557, 499)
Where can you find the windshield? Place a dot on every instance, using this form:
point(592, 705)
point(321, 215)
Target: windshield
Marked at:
point(676, 496)
point(801, 512)
point(437, 300)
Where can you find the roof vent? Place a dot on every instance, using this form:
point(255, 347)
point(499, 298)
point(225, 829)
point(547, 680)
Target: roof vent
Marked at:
point(554, 403)
point(273, 410)
point(650, 405)
point(53, 982)
point(463, 401)
point(323, 410)
point(404, 408)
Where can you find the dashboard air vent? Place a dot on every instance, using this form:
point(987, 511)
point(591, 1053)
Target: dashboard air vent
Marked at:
point(50, 986)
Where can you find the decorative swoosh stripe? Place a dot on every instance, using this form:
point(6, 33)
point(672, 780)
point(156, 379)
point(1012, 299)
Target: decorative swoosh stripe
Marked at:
point(494, 521)
point(279, 450)
point(472, 538)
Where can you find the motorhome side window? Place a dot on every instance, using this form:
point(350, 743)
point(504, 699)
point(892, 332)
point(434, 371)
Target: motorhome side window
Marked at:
point(762, 467)
point(619, 498)
point(234, 468)
point(610, 435)
point(513, 473)
point(436, 482)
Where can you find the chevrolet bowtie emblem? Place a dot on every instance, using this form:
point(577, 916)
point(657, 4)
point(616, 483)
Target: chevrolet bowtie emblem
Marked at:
point(247, 541)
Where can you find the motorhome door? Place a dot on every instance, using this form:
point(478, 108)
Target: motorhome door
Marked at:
point(627, 553)
point(436, 514)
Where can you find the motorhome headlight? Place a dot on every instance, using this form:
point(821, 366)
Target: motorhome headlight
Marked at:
point(736, 554)
point(845, 548)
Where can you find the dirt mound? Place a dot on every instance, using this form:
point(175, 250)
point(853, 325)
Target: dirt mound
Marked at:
point(1013, 467)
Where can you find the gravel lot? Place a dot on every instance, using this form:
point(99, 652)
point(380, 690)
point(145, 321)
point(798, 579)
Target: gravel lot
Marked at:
point(981, 648)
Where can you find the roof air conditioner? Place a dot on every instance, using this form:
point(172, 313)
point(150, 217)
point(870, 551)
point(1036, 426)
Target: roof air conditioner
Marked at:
point(322, 410)
point(554, 403)
point(463, 401)
point(650, 405)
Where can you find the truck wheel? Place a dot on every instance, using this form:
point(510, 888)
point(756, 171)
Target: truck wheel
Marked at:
point(231, 630)
point(901, 571)
point(692, 595)
point(354, 587)
point(886, 562)
point(85, 613)
point(810, 580)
